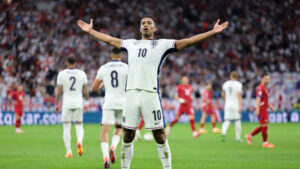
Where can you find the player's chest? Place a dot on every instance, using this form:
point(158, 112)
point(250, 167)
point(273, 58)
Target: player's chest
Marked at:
point(186, 91)
point(145, 53)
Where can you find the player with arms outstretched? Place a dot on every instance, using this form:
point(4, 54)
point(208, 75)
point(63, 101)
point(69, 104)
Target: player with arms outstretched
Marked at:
point(113, 75)
point(232, 94)
point(208, 110)
point(18, 97)
point(185, 97)
point(73, 84)
point(145, 58)
point(261, 111)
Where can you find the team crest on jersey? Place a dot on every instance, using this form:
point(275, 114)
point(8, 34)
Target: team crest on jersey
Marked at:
point(135, 42)
point(154, 43)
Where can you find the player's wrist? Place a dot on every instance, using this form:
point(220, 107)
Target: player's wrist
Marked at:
point(86, 102)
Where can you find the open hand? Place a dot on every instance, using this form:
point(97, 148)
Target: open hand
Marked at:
point(85, 26)
point(219, 28)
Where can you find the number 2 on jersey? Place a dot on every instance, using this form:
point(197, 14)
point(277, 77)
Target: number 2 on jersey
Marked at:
point(142, 52)
point(73, 79)
point(114, 79)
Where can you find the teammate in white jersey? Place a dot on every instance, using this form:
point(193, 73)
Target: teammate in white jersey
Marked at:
point(72, 83)
point(232, 94)
point(113, 74)
point(145, 58)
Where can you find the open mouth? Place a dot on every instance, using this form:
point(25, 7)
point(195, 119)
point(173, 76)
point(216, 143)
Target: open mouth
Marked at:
point(146, 29)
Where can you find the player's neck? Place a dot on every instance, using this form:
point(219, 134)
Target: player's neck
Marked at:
point(147, 37)
point(71, 67)
point(114, 60)
point(263, 84)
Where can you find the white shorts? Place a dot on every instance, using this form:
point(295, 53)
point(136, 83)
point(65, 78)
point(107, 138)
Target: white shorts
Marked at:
point(111, 117)
point(232, 114)
point(69, 115)
point(142, 103)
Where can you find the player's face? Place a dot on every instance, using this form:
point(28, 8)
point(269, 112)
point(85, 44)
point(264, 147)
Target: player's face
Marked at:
point(185, 80)
point(209, 86)
point(266, 80)
point(20, 88)
point(147, 27)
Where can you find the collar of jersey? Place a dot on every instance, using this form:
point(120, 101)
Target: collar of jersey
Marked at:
point(115, 60)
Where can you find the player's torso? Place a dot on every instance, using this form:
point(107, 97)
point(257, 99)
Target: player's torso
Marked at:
point(144, 59)
point(185, 92)
point(114, 78)
point(18, 98)
point(206, 96)
point(231, 93)
point(264, 98)
point(72, 82)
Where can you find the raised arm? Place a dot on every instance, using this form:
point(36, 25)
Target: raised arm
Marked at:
point(116, 42)
point(183, 43)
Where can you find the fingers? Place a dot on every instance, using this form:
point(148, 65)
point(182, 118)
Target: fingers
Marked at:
point(80, 23)
point(218, 21)
point(91, 21)
point(225, 24)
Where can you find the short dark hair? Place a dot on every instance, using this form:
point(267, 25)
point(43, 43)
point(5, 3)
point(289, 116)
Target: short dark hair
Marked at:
point(234, 74)
point(152, 17)
point(116, 51)
point(71, 60)
point(264, 74)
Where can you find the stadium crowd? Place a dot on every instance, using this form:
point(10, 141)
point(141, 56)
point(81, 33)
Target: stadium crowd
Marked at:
point(37, 36)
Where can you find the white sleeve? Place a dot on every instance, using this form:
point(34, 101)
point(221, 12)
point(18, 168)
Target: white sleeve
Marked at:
point(85, 81)
point(240, 88)
point(224, 87)
point(99, 74)
point(169, 43)
point(126, 43)
point(59, 79)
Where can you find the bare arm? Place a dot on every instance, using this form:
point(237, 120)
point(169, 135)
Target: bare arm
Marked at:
point(183, 43)
point(257, 111)
point(239, 94)
point(86, 97)
point(223, 95)
point(116, 42)
point(271, 107)
point(57, 97)
point(85, 92)
point(97, 85)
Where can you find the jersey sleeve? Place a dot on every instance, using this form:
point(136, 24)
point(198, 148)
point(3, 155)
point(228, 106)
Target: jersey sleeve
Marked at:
point(169, 44)
point(240, 88)
point(85, 81)
point(224, 87)
point(259, 93)
point(125, 43)
point(59, 79)
point(99, 74)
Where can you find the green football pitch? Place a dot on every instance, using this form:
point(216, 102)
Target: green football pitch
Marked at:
point(42, 147)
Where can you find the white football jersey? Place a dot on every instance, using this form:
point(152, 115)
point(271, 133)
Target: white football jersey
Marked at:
point(145, 58)
point(72, 81)
point(231, 89)
point(114, 75)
